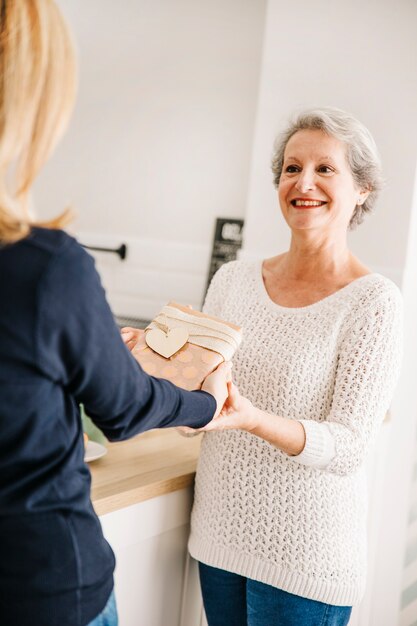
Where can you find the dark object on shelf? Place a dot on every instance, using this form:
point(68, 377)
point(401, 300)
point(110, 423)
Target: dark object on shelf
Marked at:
point(135, 322)
point(226, 243)
point(121, 250)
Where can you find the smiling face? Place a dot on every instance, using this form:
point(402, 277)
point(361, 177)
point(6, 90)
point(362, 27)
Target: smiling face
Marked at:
point(316, 189)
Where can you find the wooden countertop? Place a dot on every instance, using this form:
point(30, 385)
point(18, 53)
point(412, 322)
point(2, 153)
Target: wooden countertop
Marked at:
point(151, 464)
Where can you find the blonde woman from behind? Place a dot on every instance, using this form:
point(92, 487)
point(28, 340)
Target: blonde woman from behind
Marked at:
point(59, 348)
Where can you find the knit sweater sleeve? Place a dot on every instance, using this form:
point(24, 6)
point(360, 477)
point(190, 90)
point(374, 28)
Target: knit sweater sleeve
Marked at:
point(367, 372)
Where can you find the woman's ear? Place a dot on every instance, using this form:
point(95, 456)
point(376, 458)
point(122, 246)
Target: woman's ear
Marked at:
point(363, 194)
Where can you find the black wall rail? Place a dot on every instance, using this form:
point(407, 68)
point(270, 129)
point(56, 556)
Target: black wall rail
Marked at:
point(121, 251)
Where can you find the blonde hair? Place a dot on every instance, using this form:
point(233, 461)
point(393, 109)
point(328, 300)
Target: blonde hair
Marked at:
point(37, 91)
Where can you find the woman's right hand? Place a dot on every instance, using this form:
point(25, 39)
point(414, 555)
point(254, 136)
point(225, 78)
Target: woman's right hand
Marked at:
point(238, 413)
point(216, 383)
point(131, 336)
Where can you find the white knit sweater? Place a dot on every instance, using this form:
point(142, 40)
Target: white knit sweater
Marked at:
point(299, 523)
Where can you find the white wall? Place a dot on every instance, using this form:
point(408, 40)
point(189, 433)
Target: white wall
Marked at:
point(149, 540)
point(399, 542)
point(161, 138)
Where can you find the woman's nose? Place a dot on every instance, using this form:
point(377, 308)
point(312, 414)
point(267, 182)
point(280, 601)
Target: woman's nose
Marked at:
point(305, 181)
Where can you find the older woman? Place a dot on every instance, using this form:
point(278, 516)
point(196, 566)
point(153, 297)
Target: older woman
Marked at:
point(59, 346)
point(279, 519)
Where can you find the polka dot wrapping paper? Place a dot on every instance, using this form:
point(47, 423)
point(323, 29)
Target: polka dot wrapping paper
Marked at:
point(209, 342)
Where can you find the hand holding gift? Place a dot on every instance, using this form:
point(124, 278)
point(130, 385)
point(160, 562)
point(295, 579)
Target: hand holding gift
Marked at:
point(191, 349)
point(215, 383)
point(237, 413)
point(183, 345)
point(131, 336)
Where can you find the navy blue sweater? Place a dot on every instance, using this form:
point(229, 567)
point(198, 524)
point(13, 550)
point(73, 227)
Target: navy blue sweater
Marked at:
point(59, 347)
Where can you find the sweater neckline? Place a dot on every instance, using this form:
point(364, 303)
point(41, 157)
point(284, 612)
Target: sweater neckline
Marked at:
point(279, 307)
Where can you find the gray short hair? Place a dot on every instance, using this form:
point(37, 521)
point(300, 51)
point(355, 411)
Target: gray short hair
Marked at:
point(361, 151)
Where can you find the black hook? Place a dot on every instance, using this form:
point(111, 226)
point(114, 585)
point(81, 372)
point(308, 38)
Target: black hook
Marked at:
point(121, 251)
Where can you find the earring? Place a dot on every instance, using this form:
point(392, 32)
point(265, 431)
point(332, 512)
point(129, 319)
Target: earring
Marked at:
point(360, 201)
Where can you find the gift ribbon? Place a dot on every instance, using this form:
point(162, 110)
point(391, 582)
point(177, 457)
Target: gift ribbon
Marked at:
point(203, 331)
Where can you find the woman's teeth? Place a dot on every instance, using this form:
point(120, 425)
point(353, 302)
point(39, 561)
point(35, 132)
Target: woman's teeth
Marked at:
point(307, 202)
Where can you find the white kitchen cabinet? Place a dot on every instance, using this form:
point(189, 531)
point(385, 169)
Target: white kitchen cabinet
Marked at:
point(150, 543)
point(192, 613)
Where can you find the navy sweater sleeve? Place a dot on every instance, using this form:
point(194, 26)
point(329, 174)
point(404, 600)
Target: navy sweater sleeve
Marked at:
point(79, 347)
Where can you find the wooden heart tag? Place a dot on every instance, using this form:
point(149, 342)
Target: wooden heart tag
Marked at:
point(166, 343)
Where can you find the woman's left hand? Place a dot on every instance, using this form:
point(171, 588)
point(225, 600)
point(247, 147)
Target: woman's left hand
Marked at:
point(131, 336)
point(238, 413)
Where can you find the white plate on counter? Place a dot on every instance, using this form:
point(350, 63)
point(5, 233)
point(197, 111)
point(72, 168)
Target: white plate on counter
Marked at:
point(94, 451)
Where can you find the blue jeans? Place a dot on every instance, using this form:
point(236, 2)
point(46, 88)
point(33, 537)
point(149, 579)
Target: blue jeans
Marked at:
point(233, 600)
point(108, 617)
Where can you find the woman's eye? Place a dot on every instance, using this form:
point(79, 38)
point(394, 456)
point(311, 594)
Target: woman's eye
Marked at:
point(325, 169)
point(290, 169)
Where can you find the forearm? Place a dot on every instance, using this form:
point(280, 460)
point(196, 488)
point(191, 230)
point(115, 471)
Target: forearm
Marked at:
point(153, 403)
point(286, 434)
